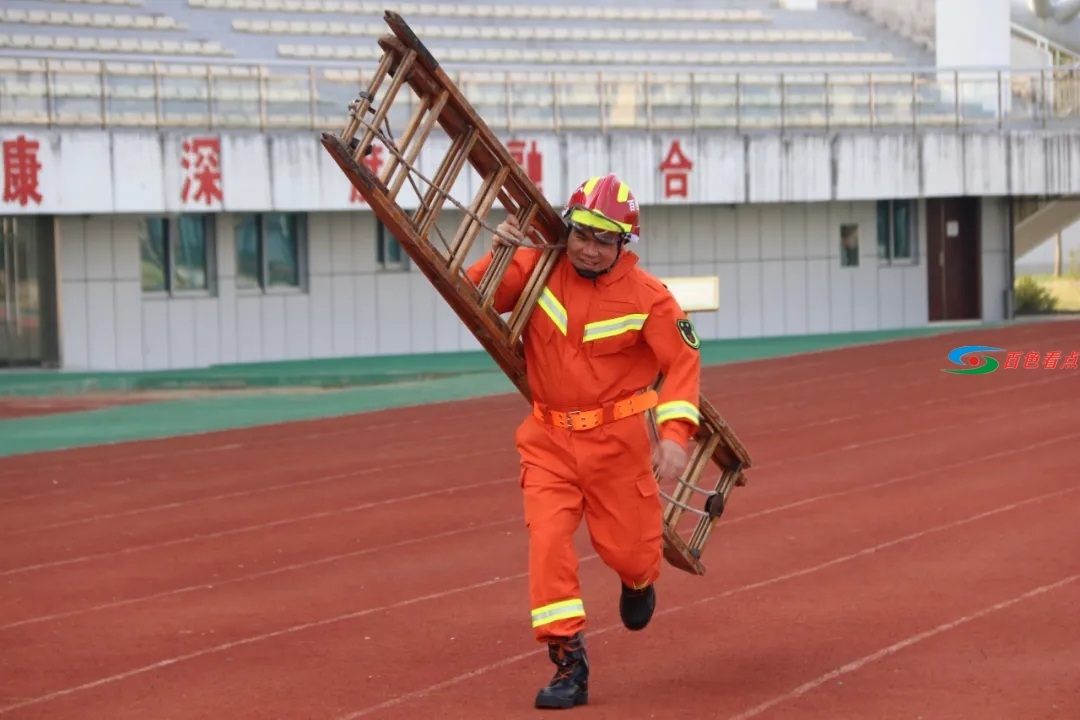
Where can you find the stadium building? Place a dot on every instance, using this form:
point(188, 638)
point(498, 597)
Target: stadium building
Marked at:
point(822, 166)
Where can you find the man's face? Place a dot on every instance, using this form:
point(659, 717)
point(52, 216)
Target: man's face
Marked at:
point(590, 250)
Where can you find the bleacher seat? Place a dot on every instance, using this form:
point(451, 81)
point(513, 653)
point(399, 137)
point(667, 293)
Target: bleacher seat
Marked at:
point(304, 30)
point(131, 3)
point(503, 56)
point(476, 43)
point(534, 33)
point(117, 21)
point(135, 46)
point(911, 19)
point(468, 10)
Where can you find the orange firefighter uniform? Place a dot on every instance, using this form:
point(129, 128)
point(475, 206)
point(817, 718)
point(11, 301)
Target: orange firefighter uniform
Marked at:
point(592, 347)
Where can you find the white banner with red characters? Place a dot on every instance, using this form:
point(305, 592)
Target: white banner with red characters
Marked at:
point(201, 186)
point(22, 171)
point(57, 173)
point(104, 172)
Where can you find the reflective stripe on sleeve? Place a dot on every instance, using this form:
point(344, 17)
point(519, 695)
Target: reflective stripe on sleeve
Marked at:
point(677, 409)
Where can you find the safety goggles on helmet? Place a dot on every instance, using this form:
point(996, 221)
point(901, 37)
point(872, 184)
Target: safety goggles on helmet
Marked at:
point(596, 224)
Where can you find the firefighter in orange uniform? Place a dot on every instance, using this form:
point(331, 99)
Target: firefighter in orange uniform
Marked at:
point(602, 331)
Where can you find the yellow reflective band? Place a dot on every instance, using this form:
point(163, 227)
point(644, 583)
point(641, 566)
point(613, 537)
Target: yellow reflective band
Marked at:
point(554, 309)
point(624, 192)
point(558, 611)
point(589, 185)
point(677, 409)
point(615, 326)
point(598, 221)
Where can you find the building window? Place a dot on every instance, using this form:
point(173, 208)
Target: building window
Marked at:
point(270, 250)
point(896, 230)
point(177, 253)
point(849, 245)
point(388, 252)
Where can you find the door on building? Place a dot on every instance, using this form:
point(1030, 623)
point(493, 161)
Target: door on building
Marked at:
point(28, 309)
point(953, 264)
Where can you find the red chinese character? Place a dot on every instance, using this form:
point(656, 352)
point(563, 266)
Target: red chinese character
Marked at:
point(1013, 361)
point(1032, 360)
point(374, 162)
point(1070, 362)
point(21, 168)
point(202, 167)
point(676, 170)
point(1052, 358)
point(532, 162)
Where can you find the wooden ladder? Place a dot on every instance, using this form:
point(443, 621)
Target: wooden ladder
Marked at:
point(407, 63)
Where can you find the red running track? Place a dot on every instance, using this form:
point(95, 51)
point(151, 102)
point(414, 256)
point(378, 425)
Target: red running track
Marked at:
point(19, 407)
point(906, 547)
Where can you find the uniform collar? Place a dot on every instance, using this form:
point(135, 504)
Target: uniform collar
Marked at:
point(627, 261)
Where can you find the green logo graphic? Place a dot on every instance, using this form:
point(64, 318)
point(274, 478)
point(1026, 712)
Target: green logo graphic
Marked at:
point(975, 364)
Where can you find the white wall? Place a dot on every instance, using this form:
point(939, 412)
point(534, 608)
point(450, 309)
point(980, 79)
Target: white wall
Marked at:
point(349, 308)
point(291, 172)
point(778, 266)
point(996, 258)
point(1023, 52)
point(975, 34)
point(972, 33)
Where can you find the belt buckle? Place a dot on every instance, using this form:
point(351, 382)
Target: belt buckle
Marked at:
point(570, 419)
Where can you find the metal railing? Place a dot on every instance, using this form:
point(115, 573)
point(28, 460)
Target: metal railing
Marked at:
point(267, 96)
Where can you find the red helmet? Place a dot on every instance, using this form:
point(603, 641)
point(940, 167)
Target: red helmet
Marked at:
point(606, 205)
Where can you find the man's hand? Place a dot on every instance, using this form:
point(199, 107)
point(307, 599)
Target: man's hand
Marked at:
point(509, 227)
point(669, 460)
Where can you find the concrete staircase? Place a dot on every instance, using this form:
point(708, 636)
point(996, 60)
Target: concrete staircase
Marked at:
point(910, 19)
point(1039, 219)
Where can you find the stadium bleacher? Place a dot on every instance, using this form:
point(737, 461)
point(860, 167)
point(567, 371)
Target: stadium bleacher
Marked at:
point(465, 34)
point(297, 63)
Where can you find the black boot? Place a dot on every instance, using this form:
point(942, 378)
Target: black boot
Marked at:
point(636, 607)
point(570, 686)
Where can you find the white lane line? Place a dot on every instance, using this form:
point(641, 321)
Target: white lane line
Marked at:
point(727, 593)
point(496, 581)
point(254, 639)
point(212, 585)
point(742, 518)
point(245, 493)
point(886, 652)
point(253, 528)
point(285, 521)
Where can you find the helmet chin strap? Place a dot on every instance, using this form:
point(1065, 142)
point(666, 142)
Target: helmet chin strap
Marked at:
point(593, 274)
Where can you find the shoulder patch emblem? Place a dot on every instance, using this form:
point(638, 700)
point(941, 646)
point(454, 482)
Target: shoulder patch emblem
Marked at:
point(688, 333)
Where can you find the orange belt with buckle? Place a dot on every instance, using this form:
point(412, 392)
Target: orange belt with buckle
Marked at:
point(588, 419)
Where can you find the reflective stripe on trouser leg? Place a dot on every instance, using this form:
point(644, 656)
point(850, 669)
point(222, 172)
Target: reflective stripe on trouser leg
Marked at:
point(562, 610)
point(553, 509)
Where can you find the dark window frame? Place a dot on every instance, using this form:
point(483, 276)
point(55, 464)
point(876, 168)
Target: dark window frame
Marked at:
point(263, 282)
point(172, 226)
point(888, 214)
